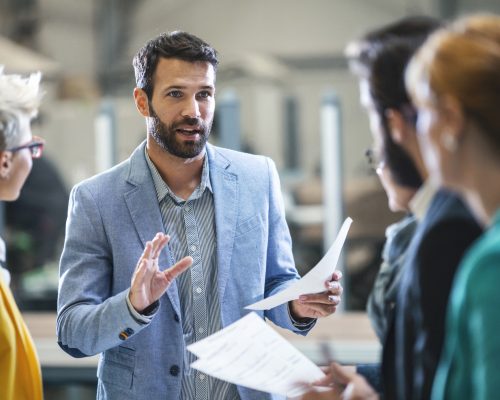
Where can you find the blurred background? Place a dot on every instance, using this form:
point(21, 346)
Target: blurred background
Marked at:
point(283, 90)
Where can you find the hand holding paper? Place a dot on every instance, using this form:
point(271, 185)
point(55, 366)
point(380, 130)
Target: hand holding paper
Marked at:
point(314, 280)
point(250, 353)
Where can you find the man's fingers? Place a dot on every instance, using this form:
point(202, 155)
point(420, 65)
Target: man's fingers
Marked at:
point(336, 276)
point(139, 273)
point(316, 310)
point(334, 287)
point(178, 268)
point(146, 254)
point(159, 242)
point(326, 380)
point(314, 394)
point(340, 374)
point(320, 298)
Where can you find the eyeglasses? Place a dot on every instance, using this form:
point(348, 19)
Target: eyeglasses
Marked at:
point(35, 147)
point(375, 162)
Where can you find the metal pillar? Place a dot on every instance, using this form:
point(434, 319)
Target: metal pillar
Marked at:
point(228, 120)
point(332, 175)
point(291, 145)
point(105, 137)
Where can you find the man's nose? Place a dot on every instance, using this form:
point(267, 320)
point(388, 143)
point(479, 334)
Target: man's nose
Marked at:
point(191, 108)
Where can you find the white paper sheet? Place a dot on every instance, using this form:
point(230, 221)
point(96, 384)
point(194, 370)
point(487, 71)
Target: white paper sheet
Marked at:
point(314, 280)
point(250, 353)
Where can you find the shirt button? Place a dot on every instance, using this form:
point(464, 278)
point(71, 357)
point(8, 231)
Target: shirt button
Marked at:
point(193, 248)
point(198, 290)
point(202, 377)
point(188, 208)
point(201, 330)
point(174, 370)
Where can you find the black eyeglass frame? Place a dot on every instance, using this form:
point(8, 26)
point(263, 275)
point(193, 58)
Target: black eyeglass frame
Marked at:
point(35, 147)
point(374, 161)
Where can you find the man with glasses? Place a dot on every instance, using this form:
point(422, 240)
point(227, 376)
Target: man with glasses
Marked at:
point(409, 299)
point(20, 376)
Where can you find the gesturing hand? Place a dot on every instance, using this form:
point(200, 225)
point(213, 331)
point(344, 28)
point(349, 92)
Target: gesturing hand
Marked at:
point(148, 282)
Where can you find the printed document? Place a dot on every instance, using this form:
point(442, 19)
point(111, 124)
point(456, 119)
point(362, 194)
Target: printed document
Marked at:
point(251, 353)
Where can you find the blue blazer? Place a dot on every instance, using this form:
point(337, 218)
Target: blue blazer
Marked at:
point(111, 217)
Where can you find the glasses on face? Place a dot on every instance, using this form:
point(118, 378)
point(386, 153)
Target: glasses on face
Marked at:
point(409, 113)
point(374, 160)
point(35, 147)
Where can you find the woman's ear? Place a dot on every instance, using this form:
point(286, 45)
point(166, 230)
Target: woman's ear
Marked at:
point(397, 126)
point(141, 102)
point(5, 164)
point(453, 117)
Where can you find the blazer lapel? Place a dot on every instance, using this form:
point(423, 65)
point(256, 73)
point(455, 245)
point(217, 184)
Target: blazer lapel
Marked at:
point(226, 192)
point(145, 212)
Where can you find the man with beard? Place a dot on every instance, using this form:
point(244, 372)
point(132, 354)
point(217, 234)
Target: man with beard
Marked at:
point(224, 215)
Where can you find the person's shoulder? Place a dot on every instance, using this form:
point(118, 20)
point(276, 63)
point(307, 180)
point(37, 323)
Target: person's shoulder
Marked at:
point(448, 209)
point(131, 169)
point(234, 155)
point(486, 249)
point(106, 179)
point(479, 268)
point(449, 204)
point(238, 160)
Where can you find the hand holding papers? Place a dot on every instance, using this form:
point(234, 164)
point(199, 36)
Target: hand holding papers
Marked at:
point(250, 353)
point(314, 280)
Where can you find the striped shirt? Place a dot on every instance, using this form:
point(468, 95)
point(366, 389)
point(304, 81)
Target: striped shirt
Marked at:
point(191, 226)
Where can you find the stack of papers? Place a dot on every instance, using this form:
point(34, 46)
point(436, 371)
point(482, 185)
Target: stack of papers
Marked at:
point(250, 353)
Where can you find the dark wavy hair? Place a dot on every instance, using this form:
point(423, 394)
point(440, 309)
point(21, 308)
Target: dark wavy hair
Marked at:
point(180, 45)
point(381, 57)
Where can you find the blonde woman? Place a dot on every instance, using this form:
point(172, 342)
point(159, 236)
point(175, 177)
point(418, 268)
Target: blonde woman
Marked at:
point(455, 82)
point(20, 376)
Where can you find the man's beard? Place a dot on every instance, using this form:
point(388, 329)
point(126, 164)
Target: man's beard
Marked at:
point(166, 135)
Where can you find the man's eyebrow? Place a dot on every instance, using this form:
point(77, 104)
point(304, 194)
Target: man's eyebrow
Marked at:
point(204, 87)
point(174, 87)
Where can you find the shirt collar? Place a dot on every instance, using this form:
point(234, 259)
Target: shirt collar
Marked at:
point(162, 189)
point(422, 199)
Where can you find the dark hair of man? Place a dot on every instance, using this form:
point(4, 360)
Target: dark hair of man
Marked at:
point(180, 45)
point(381, 57)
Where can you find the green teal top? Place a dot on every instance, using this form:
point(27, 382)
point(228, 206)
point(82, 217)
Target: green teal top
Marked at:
point(469, 366)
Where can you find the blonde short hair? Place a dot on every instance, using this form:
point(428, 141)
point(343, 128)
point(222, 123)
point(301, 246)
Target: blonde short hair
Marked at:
point(19, 97)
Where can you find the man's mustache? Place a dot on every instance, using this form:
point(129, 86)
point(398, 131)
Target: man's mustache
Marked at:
point(192, 121)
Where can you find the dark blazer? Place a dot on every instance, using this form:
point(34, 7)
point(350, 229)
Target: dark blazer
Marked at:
point(413, 345)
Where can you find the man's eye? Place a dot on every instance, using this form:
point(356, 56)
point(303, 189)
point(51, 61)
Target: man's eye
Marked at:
point(204, 94)
point(175, 93)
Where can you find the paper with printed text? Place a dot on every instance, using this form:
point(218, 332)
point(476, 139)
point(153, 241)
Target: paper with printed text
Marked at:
point(251, 353)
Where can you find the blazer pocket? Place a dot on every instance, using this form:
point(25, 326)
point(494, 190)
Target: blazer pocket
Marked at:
point(247, 225)
point(117, 367)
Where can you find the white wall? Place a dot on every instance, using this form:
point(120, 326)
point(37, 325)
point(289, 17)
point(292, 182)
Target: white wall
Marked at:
point(268, 28)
